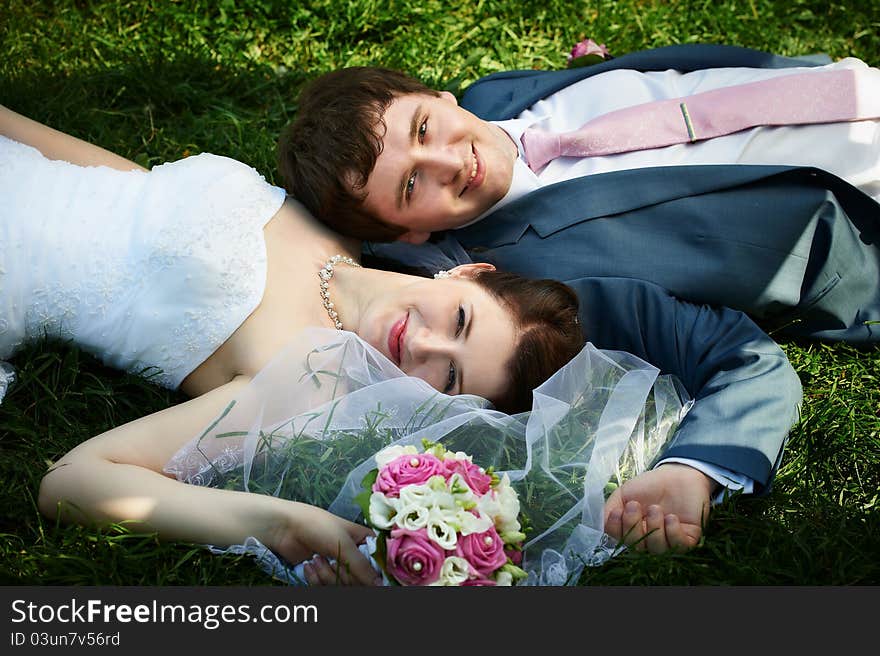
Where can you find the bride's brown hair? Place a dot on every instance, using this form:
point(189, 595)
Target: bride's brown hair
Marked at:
point(545, 314)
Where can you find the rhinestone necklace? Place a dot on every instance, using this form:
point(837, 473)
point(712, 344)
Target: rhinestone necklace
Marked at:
point(325, 274)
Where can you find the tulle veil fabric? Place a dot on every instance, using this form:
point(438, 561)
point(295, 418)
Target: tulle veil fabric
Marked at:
point(7, 377)
point(308, 424)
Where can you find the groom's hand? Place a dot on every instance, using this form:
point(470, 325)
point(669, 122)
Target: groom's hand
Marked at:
point(661, 509)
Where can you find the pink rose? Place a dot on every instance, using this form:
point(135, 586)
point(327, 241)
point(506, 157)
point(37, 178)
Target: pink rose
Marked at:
point(484, 551)
point(470, 582)
point(476, 480)
point(413, 558)
point(515, 555)
point(588, 47)
point(409, 469)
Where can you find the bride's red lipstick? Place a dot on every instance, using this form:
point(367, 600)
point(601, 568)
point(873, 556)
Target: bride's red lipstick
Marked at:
point(395, 338)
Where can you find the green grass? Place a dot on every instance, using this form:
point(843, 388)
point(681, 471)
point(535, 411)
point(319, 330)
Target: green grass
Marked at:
point(155, 81)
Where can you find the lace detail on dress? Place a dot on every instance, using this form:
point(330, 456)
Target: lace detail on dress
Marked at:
point(227, 240)
point(198, 470)
point(151, 272)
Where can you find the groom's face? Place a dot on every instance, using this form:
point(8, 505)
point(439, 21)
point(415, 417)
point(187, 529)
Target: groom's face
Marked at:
point(440, 166)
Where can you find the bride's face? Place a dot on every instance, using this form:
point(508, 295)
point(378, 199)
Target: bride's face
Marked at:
point(449, 332)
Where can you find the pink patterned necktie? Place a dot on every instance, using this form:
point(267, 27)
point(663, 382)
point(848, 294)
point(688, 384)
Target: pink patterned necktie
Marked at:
point(796, 99)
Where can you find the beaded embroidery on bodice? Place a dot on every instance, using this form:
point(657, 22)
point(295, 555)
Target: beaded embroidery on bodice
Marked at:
point(149, 271)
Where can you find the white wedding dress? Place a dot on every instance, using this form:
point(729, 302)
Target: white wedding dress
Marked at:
point(149, 271)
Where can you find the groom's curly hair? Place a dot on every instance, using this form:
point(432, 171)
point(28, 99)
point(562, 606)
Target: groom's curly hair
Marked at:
point(545, 313)
point(326, 155)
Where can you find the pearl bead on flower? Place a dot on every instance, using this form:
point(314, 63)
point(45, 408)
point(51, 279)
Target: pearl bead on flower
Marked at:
point(414, 462)
point(417, 567)
point(488, 540)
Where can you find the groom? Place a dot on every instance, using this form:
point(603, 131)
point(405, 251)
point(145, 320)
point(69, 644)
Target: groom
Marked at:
point(727, 221)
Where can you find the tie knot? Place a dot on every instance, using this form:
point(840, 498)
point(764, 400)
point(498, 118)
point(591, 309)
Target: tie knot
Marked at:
point(540, 147)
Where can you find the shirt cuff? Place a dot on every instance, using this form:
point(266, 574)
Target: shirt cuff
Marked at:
point(728, 479)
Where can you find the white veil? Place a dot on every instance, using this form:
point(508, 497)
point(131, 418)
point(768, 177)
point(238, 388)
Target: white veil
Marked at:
point(308, 424)
point(7, 377)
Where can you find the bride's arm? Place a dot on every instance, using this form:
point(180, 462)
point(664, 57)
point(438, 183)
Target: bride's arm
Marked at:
point(58, 145)
point(117, 476)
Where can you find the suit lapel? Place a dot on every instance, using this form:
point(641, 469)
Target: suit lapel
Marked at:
point(558, 206)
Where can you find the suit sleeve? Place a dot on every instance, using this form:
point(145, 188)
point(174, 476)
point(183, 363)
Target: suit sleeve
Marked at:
point(746, 393)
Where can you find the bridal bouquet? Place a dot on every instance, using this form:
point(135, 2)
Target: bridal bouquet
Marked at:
point(442, 520)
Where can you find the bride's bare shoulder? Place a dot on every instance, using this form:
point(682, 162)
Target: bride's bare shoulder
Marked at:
point(293, 206)
point(293, 218)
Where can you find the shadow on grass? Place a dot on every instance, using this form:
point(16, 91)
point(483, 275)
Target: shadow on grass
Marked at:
point(61, 398)
point(157, 111)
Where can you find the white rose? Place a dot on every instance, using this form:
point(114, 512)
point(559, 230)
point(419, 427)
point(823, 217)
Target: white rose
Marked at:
point(508, 503)
point(418, 495)
point(412, 516)
point(503, 578)
point(454, 571)
point(383, 510)
point(392, 452)
point(471, 523)
point(441, 531)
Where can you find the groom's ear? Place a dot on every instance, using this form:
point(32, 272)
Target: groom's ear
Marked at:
point(449, 97)
point(412, 237)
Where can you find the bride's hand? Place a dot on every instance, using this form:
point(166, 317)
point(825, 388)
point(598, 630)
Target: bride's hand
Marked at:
point(661, 509)
point(312, 531)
